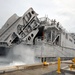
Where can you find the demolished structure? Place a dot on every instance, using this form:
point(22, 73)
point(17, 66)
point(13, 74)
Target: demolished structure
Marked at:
point(30, 30)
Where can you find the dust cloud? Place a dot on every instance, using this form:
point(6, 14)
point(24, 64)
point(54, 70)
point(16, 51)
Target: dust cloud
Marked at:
point(21, 55)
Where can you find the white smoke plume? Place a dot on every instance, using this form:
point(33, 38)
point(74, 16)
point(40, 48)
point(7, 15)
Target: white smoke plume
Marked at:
point(22, 54)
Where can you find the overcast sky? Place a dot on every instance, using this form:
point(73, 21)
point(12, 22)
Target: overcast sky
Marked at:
point(61, 10)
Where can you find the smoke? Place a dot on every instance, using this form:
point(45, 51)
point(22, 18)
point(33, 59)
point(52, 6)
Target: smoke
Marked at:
point(22, 54)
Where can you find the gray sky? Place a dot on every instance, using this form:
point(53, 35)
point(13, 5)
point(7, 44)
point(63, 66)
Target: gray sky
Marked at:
point(61, 10)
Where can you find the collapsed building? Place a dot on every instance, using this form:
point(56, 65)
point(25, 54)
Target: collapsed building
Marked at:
point(31, 30)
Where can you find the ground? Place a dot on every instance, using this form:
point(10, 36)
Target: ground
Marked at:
point(44, 70)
